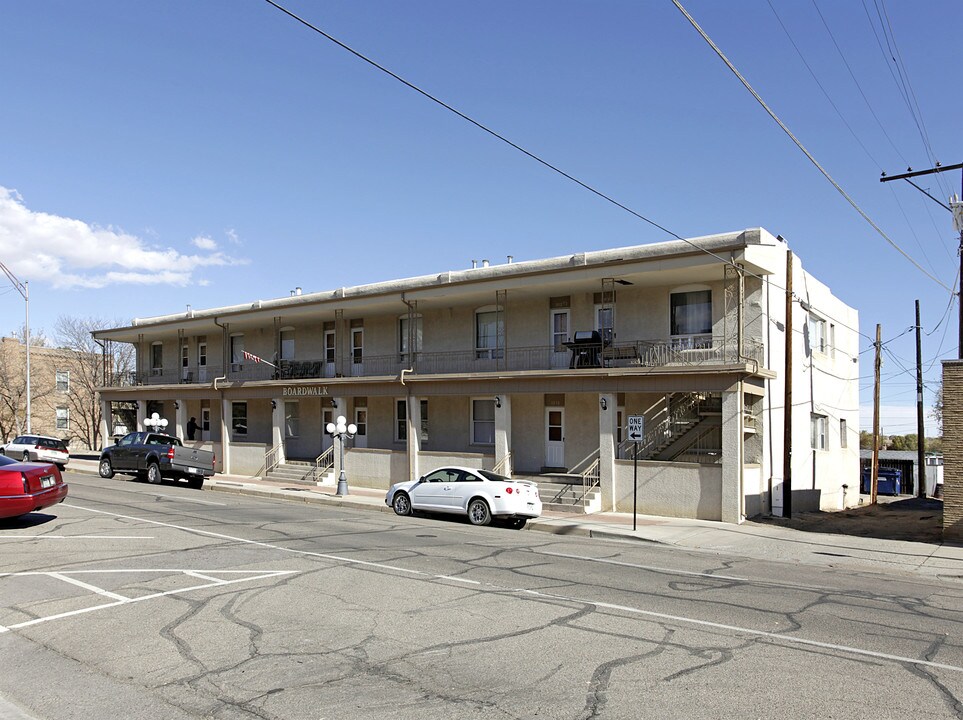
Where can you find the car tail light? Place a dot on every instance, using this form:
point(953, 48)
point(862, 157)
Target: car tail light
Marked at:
point(213, 461)
point(38, 446)
point(170, 452)
point(26, 487)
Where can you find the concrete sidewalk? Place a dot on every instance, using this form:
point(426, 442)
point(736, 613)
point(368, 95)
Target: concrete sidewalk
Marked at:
point(752, 540)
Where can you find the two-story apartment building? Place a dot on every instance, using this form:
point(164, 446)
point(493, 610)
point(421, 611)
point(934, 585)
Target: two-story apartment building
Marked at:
point(534, 367)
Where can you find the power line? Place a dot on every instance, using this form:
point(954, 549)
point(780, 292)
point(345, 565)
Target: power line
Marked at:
point(801, 147)
point(533, 156)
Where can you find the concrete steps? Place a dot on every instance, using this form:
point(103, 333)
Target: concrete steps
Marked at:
point(293, 471)
point(562, 493)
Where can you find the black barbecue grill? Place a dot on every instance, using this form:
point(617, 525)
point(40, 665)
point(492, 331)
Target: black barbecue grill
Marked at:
point(586, 347)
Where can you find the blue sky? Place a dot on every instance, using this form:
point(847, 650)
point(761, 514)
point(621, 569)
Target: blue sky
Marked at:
point(158, 154)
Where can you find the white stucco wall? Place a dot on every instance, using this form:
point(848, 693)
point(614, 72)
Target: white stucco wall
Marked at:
point(686, 490)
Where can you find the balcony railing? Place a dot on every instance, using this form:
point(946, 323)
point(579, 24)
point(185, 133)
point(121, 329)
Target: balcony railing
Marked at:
point(638, 354)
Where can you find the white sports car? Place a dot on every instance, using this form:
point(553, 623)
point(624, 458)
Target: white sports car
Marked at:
point(479, 494)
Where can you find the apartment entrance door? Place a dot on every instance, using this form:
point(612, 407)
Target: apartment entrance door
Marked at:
point(555, 437)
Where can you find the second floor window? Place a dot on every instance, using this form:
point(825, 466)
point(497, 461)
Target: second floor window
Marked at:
point(357, 346)
point(409, 333)
point(237, 350)
point(156, 358)
point(489, 334)
point(329, 346)
point(63, 380)
point(817, 334)
point(63, 419)
point(818, 428)
point(287, 344)
point(691, 317)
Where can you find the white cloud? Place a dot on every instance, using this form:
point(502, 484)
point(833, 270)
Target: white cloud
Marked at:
point(70, 253)
point(204, 243)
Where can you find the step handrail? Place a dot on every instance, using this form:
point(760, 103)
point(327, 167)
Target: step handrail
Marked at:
point(504, 464)
point(271, 461)
point(323, 463)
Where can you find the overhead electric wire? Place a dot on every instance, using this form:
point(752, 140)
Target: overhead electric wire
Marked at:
point(859, 87)
point(801, 147)
point(532, 155)
point(823, 89)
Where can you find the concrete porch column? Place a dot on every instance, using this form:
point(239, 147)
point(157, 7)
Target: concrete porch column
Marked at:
point(141, 415)
point(732, 455)
point(277, 427)
point(106, 428)
point(414, 436)
point(608, 434)
point(503, 434)
point(180, 419)
point(225, 436)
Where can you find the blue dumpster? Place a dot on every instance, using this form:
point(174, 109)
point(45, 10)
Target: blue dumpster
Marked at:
point(888, 481)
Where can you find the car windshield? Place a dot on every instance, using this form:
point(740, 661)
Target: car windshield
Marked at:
point(4, 460)
point(494, 477)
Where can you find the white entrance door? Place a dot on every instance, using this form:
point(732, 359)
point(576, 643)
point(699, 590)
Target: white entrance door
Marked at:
point(205, 423)
point(554, 437)
point(560, 334)
point(202, 362)
point(361, 420)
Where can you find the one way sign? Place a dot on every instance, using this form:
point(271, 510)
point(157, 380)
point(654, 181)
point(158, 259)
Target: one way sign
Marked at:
point(635, 427)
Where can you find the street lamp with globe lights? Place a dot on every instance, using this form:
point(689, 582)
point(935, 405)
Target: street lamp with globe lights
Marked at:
point(341, 430)
point(156, 422)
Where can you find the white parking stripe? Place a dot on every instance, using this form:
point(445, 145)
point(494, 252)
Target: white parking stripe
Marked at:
point(775, 637)
point(128, 601)
point(88, 586)
point(76, 537)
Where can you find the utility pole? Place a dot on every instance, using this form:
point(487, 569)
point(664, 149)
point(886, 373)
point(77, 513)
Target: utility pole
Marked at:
point(787, 404)
point(875, 473)
point(24, 289)
point(910, 173)
point(920, 429)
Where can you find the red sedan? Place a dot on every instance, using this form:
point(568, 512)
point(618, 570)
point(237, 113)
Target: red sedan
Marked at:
point(28, 487)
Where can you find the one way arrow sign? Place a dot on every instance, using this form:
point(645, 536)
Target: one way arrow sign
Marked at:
point(635, 427)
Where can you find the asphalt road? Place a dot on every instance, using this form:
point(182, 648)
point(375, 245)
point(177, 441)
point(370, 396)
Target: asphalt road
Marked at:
point(139, 601)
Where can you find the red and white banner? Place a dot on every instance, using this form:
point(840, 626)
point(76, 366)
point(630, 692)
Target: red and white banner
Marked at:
point(254, 358)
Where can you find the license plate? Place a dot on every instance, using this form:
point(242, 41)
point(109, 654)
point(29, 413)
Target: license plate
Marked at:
point(47, 481)
point(192, 470)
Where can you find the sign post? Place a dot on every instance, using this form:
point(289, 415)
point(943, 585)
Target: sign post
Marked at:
point(636, 423)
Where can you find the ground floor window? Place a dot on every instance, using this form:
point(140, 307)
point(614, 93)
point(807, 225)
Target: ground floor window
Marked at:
point(292, 419)
point(401, 421)
point(483, 422)
point(239, 418)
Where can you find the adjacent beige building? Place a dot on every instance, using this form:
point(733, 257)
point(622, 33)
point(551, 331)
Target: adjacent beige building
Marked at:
point(533, 368)
point(61, 404)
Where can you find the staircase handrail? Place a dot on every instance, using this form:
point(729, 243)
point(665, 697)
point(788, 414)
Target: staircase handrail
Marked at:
point(663, 429)
point(591, 478)
point(323, 463)
point(271, 461)
point(505, 462)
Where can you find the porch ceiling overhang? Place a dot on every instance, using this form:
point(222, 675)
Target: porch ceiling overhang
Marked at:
point(701, 260)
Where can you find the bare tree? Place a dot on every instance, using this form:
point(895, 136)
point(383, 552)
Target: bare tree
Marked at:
point(85, 360)
point(13, 383)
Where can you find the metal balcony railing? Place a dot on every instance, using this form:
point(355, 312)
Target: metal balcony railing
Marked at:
point(687, 352)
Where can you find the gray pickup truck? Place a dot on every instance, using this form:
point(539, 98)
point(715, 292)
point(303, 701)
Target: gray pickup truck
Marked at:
point(156, 456)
